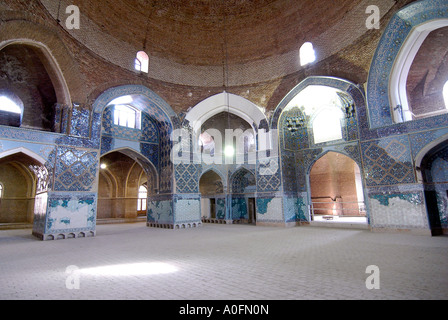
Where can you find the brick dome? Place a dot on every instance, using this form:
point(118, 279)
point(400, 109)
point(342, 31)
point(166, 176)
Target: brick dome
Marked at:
point(192, 32)
point(188, 41)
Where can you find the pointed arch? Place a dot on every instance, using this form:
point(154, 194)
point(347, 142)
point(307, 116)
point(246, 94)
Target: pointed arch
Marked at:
point(336, 83)
point(238, 183)
point(25, 151)
point(336, 186)
point(218, 172)
point(223, 102)
point(386, 85)
point(147, 165)
point(68, 81)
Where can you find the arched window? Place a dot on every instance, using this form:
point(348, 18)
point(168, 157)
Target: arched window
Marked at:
point(307, 54)
point(445, 94)
point(142, 198)
point(142, 62)
point(127, 116)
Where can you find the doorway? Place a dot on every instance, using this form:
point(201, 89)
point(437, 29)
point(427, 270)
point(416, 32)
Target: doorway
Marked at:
point(337, 190)
point(252, 211)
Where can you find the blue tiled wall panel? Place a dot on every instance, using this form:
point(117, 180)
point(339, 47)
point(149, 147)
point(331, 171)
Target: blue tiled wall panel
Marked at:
point(73, 212)
point(160, 211)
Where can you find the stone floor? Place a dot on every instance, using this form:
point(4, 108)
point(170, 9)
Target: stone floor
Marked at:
point(223, 262)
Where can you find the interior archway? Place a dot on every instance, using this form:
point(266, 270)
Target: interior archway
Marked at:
point(337, 189)
point(243, 187)
point(211, 188)
point(427, 77)
point(23, 179)
point(225, 130)
point(434, 169)
point(121, 177)
point(27, 74)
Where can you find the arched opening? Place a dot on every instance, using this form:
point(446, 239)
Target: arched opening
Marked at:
point(142, 202)
point(126, 181)
point(27, 75)
point(337, 190)
point(434, 170)
point(211, 188)
point(226, 130)
point(224, 104)
point(23, 182)
point(427, 77)
point(318, 114)
point(243, 188)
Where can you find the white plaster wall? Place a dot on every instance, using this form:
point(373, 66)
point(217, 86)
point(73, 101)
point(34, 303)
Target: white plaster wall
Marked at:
point(399, 214)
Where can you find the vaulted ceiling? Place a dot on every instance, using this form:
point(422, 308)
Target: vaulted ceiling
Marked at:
point(197, 31)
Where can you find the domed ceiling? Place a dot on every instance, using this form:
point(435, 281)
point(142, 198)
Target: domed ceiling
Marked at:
point(194, 32)
point(188, 41)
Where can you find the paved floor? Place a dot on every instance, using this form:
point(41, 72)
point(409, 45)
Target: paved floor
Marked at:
point(225, 262)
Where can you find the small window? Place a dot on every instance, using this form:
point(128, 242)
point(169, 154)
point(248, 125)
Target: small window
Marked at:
point(142, 62)
point(142, 198)
point(1, 191)
point(307, 54)
point(127, 116)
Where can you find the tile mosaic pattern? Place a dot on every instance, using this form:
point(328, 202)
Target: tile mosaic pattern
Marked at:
point(304, 160)
point(268, 176)
point(295, 209)
point(161, 211)
point(239, 209)
point(243, 181)
point(75, 170)
point(422, 139)
point(80, 121)
point(289, 174)
point(388, 161)
point(187, 178)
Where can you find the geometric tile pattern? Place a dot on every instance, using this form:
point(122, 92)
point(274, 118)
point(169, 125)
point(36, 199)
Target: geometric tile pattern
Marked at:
point(151, 152)
point(187, 178)
point(268, 177)
point(243, 181)
point(80, 121)
point(388, 162)
point(75, 169)
point(289, 172)
point(303, 161)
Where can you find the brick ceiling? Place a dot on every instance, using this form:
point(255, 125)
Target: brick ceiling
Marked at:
point(194, 32)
